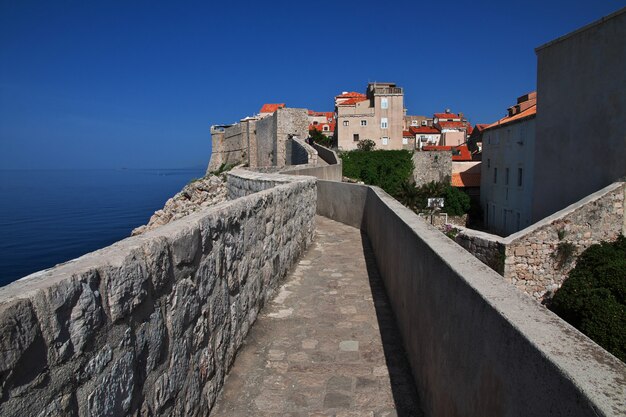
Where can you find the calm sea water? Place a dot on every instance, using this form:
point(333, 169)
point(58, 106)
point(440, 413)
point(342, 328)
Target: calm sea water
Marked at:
point(51, 216)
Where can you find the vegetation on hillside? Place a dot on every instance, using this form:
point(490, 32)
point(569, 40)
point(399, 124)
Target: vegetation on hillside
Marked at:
point(386, 169)
point(593, 298)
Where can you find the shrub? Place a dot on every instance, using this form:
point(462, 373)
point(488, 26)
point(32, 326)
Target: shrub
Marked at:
point(319, 138)
point(593, 298)
point(366, 145)
point(457, 202)
point(564, 253)
point(386, 169)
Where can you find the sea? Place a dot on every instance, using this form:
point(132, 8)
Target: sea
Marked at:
point(48, 217)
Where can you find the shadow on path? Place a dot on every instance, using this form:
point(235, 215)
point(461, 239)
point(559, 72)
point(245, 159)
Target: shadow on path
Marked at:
point(402, 384)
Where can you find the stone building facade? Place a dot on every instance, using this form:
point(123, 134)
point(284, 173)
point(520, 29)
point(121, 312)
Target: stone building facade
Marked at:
point(377, 115)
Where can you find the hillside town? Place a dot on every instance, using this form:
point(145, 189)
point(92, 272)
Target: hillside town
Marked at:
point(526, 167)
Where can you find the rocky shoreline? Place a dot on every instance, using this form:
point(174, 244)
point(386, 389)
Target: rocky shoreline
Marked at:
point(198, 194)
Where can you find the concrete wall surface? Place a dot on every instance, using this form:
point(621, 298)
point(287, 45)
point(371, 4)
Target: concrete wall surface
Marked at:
point(581, 114)
point(151, 324)
point(477, 346)
point(327, 155)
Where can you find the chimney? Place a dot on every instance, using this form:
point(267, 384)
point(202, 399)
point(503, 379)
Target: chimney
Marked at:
point(447, 110)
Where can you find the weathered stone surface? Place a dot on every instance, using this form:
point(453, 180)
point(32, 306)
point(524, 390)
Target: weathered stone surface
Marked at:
point(151, 324)
point(529, 258)
point(113, 394)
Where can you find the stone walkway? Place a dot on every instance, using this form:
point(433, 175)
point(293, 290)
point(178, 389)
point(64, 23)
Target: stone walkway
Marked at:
point(327, 345)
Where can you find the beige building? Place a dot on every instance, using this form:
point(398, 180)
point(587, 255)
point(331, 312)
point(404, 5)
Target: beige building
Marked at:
point(453, 128)
point(507, 182)
point(377, 115)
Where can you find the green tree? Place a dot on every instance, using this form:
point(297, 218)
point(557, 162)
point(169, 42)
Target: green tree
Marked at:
point(593, 297)
point(366, 145)
point(386, 169)
point(320, 138)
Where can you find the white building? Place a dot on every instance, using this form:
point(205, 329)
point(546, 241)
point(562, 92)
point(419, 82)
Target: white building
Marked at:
point(506, 186)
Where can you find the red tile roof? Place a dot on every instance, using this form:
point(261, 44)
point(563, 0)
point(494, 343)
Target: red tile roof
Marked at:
point(271, 108)
point(320, 127)
point(326, 114)
point(463, 153)
point(530, 112)
point(352, 101)
point(452, 125)
point(447, 116)
point(351, 94)
point(406, 134)
point(424, 130)
point(465, 179)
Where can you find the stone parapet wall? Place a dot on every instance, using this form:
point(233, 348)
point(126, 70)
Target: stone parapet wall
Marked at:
point(477, 346)
point(327, 155)
point(242, 182)
point(529, 258)
point(151, 324)
point(432, 166)
point(301, 153)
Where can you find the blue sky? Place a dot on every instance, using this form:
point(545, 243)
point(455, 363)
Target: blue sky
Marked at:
point(86, 84)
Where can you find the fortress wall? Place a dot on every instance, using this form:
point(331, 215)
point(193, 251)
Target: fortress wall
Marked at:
point(529, 258)
point(477, 346)
point(151, 324)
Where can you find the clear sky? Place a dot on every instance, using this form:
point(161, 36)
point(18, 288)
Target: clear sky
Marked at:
point(110, 84)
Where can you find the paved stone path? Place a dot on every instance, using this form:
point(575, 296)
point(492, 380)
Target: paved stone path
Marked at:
point(327, 345)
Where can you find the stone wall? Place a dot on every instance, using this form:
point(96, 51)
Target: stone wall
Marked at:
point(290, 122)
point(432, 166)
point(300, 153)
point(477, 346)
point(529, 258)
point(265, 142)
point(151, 324)
point(230, 145)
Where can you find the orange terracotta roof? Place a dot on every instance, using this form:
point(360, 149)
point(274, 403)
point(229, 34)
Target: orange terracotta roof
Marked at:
point(271, 108)
point(465, 179)
point(452, 125)
point(351, 94)
point(447, 116)
point(460, 153)
point(481, 126)
point(529, 112)
point(320, 127)
point(424, 130)
point(408, 134)
point(352, 101)
point(326, 114)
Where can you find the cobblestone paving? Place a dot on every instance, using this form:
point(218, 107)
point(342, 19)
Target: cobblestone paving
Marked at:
point(327, 345)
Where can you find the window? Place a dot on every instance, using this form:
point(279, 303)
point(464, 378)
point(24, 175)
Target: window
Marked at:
point(488, 163)
point(423, 122)
point(346, 122)
point(384, 104)
point(519, 177)
point(325, 128)
point(495, 175)
point(413, 122)
point(518, 222)
point(355, 137)
point(315, 123)
point(385, 140)
point(405, 141)
point(363, 122)
point(383, 123)
point(506, 176)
